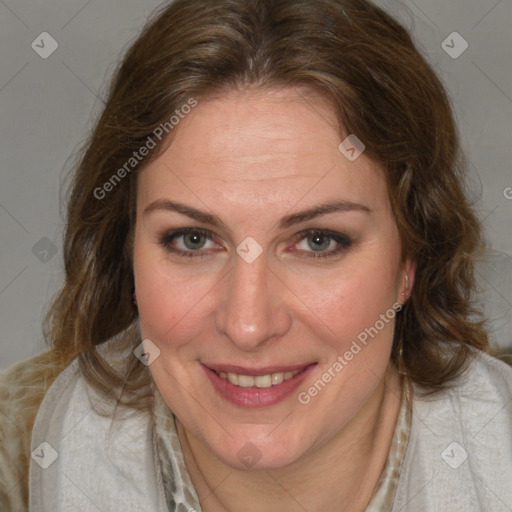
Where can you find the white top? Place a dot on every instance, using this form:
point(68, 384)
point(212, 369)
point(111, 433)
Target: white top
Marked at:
point(458, 455)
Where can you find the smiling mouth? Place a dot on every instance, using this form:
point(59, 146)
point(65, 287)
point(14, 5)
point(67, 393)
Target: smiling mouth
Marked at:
point(260, 381)
point(256, 387)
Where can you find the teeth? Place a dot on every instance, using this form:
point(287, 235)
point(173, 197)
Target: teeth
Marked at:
point(260, 381)
point(263, 381)
point(245, 381)
point(277, 378)
point(232, 377)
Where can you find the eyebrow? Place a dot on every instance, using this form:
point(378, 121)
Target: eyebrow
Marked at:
point(286, 222)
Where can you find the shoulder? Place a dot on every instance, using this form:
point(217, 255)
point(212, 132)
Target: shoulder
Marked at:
point(485, 367)
point(485, 376)
point(478, 405)
point(460, 445)
point(115, 445)
point(22, 389)
point(485, 385)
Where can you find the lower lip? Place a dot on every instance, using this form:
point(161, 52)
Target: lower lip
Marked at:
point(253, 396)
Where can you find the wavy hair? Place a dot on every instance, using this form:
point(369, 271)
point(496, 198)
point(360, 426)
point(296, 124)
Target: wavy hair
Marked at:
point(380, 87)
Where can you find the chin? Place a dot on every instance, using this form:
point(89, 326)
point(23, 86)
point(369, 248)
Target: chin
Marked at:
point(260, 451)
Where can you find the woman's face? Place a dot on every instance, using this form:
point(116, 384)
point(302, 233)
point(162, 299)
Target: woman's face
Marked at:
point(266, 280)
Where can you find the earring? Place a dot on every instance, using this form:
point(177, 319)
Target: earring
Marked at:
point(406, 285)
point(400, 362)
point(134, 298)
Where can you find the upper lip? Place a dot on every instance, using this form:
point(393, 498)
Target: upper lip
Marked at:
point(252, 371)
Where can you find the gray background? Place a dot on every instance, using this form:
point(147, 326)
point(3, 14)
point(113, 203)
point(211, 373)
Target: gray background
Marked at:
point(47, 107)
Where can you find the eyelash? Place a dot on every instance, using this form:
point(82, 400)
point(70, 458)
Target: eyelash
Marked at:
point(343, 241)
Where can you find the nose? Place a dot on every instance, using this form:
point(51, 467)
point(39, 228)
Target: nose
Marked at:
point(252, 307)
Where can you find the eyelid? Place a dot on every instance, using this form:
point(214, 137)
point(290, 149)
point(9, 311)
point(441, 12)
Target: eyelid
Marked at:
point(326, 232)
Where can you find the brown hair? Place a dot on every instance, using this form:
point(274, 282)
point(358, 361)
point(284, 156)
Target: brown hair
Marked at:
point(381, 89)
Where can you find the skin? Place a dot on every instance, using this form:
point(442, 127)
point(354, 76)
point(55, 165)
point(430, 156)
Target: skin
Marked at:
point(252, 157)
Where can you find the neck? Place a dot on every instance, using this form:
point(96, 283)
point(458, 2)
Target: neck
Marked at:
point(345, 470)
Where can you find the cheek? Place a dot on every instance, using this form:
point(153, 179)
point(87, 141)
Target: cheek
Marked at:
point(165, 300)
point(170, 306)
point(350, 307)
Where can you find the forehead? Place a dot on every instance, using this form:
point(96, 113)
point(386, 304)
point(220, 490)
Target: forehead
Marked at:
point(262, 146)
point(255, 127)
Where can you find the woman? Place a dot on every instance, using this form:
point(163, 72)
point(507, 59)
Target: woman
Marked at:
point(269, 273)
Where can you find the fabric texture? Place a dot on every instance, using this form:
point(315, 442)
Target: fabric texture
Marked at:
point(22, 388)
point(180, 494)
point(459, 455)
point(84, 460)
